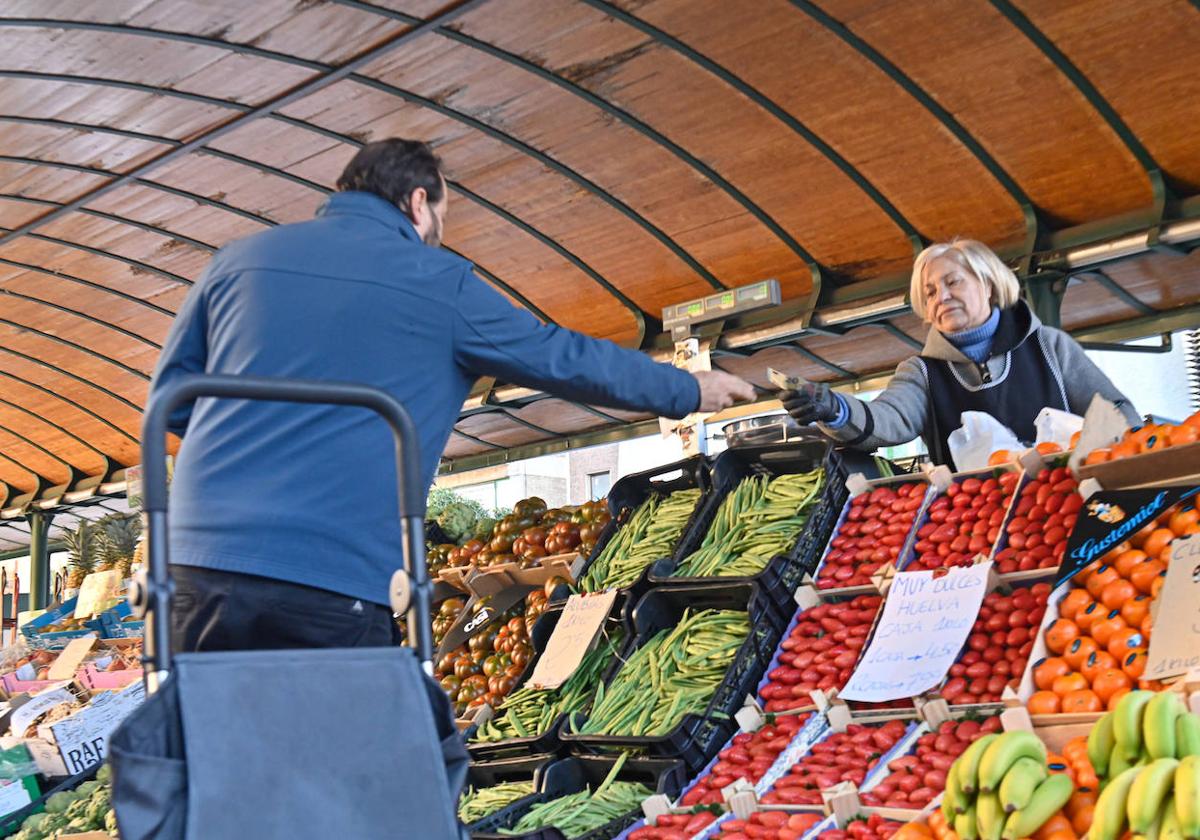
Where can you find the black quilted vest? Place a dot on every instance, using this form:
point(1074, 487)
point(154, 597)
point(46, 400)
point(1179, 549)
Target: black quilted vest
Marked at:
point(1028, 382)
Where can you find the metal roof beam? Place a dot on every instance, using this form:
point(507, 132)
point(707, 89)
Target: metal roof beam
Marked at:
point(65, 400)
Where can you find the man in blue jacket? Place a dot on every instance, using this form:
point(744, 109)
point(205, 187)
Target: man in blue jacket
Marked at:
point(283, 517)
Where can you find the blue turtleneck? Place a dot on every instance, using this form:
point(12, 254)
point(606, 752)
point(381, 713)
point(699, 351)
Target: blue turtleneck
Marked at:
point(976, 343)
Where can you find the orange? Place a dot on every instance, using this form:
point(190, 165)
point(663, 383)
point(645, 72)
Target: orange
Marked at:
point(1060, 634)
point(1081, 577)
point(1064, 685)
point(1193, 421)
point(1146, 626)
point(1108, 683)
point(1103, 631)
point(1083, 700)
point(1124, 449)
point(1125, 562)
point(1074, 441)
point(1055, 825)
point(1116, 698)
point(1044, 703)
point(1073, 602)
point(1079, 800)
point(1157, 586)
point(1144, 574)
point(1099, 661)
point(1074, 752)
point(1114, 594)
point(1082, 821)
point(1159, 539)
point(1079, 650)
point(1134, 663)
point(1123, 641)
point(1048, 448)
point(1098, 456)
point(1000, 456)
point(1089, 616)
point(1048, 670)
point(1139, 537)
point(1184, 434)
point(1181, 519)
point(1101, 578)
point(1135, 610)
point(1086, 778)
point(1141, 435)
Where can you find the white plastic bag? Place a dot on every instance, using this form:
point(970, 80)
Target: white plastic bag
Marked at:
point(1055, 426)
point(981, 434)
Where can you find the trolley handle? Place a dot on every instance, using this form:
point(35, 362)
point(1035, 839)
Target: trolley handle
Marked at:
point(159, 588)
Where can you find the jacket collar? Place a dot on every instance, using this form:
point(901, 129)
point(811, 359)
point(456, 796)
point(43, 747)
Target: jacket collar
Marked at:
point(1017, 323)
point(370, 206)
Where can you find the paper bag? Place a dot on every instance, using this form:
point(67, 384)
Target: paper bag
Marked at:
point(981, 434)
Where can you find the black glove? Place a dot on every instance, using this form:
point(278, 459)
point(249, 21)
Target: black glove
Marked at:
point(812, 403)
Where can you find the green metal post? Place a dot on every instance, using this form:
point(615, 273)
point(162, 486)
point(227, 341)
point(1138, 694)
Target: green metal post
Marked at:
point(1045, 294)
point(39, 560)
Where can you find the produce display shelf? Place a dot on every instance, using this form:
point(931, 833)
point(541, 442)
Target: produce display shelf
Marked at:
point(628, 494)
point(10, 823)
point(893, 481)
point(545, 771)
point(697, 737)
point(784, 572)
point(576, 773)
point(548, 741)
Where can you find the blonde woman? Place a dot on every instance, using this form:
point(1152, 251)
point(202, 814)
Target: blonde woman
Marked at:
point(986, 351)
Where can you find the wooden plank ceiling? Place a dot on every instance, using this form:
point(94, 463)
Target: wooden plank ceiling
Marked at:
point(606, 158)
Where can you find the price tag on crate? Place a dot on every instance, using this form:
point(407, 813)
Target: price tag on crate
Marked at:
point(572, 638)
point(1175, 644)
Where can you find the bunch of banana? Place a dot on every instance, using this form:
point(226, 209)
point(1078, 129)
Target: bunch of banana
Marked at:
point(1144, 727)
point(1001, 789)
point(1147, 754)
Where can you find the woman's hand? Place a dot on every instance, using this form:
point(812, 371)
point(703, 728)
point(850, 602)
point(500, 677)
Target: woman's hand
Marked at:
point(812, 403)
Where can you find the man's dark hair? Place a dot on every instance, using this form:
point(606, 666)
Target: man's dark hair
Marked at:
point(392, 169)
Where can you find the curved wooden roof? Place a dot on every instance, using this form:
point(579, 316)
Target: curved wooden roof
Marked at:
point(606, 159)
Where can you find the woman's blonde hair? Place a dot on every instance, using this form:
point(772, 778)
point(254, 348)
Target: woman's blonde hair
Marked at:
point(975, 257)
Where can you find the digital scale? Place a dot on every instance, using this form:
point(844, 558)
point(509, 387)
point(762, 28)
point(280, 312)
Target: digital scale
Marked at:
point(682, 317)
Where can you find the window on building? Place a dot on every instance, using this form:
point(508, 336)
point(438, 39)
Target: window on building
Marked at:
point(598, 484)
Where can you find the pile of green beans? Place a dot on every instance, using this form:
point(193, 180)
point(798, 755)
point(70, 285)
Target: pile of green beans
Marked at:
point(650, 534)
point(675, 673)
point(529, 712)
point(474, 805)
point(760, 519)
point(576, 814)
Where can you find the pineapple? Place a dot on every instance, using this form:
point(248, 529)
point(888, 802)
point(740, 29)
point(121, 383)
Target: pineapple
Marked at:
point(119, 536)
point(82, 547)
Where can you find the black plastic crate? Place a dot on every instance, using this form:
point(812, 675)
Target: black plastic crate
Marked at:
point(11, 823)
point(548, 741)
point(548, 783)
point(697, 737)
point(628, 494)
point(784, 572)
point(573, 774)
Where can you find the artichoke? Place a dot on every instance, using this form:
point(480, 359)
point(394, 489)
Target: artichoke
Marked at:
point(457, 520)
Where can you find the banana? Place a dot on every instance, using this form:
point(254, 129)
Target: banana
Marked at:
point(1148, 792)
point(1051, 795)
point(1020, 782)
point(1158, 725)
point(1152, 833)
point(990, 816)
point(954, 801)
point(965, 825)
point(967, 765)
point(1118, 762)
point(1170, 824)
point(1187, 735)
point(1108, 819)
point(1100, 745)
point(1187, 796)
point(1002, 753)
point(1127, 722)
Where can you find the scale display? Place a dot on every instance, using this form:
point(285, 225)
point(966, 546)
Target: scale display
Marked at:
point(722, 305)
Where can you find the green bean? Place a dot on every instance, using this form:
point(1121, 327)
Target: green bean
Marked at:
point(758, 520)
point(576, 814)
point(474, 804)
point(650, 534)
point(530, 712)
point(676, 672)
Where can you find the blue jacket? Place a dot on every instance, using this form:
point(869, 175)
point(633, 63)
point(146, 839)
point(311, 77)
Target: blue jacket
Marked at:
point(307, 493)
